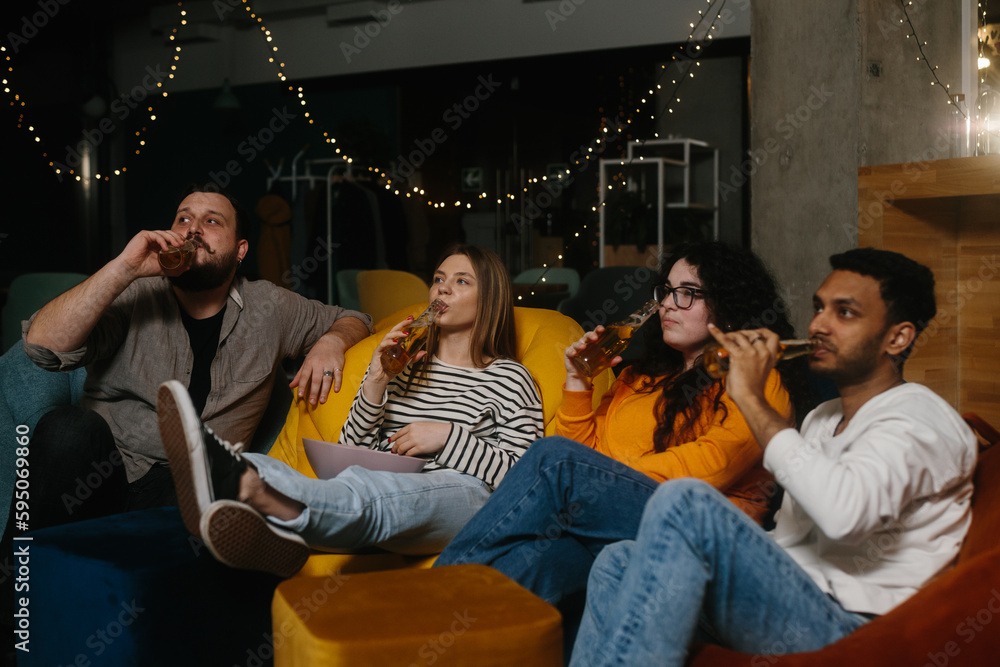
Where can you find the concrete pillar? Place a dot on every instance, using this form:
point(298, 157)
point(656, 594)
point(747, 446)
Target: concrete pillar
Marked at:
point(836, 85)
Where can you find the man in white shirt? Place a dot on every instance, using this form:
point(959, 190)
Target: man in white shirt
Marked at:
point(877, 495)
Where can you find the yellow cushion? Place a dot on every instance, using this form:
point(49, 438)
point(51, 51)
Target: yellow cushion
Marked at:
point(454, 615)
point(382, 292)
point(542, 338)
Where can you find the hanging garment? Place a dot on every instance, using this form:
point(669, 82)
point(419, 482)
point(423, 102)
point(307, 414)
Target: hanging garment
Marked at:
point(274, 246)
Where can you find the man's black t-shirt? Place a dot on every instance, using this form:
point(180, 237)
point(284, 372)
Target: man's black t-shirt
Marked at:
point(204, 337)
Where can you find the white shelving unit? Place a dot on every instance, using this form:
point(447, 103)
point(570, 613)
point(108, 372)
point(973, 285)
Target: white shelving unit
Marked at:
point(682, 174)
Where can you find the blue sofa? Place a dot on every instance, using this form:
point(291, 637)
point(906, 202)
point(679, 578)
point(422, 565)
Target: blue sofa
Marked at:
point(132, 588)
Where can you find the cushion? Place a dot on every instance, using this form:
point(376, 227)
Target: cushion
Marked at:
point(455, 615)
point(542, 338)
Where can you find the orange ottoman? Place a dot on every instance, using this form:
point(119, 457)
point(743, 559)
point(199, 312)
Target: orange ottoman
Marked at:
point(454, 615)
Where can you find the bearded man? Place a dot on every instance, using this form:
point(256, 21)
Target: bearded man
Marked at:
point(134, 325)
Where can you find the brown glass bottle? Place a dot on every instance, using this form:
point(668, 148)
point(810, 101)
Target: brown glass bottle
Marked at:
point(716, 357)
point(395, 358)
point(175, 257)
point(597, 356)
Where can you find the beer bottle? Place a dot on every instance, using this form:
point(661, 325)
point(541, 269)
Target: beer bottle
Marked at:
point(716, 357)
point(597, 356)
point(177, 256)
point(395, 358)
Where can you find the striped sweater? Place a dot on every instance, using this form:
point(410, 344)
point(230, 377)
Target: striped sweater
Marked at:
point(494, 412)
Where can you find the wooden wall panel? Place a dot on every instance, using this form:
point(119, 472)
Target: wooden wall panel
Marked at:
point(925, 231)
point(946, 214)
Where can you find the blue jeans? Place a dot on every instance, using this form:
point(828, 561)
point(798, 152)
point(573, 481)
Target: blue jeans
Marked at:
point(559, 505)
point(408, 513)
point(699, 568)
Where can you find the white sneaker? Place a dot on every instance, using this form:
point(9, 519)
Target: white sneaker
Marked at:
point(205, 468)
point(239, 536)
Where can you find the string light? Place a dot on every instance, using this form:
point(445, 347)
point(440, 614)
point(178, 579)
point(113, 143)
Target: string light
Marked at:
point(983, 120)
point(327, 138)
point(57, 167)
point(923, 56)
point(692, 50)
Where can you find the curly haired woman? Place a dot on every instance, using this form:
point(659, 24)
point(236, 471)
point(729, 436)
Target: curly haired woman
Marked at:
point(664, 418)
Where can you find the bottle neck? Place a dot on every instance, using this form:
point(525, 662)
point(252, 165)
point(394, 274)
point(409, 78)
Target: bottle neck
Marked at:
point(426, 318)
point(639, 317)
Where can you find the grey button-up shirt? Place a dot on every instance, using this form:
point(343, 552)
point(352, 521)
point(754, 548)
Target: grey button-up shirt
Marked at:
point(141, 342)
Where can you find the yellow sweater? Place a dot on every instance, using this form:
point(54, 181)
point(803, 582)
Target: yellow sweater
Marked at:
point(725, 453)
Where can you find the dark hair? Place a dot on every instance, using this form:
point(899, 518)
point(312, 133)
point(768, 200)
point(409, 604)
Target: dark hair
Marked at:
point(906, 286)
point(215, 188)
point(740, 294)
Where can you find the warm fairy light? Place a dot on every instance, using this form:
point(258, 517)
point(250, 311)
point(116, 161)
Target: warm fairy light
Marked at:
point(37, 136)
point(923, 56)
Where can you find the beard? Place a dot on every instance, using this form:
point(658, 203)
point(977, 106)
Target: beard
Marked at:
point(854, 367)
point(212, 273)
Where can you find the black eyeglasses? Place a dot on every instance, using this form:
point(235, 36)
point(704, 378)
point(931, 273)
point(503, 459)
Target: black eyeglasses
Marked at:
point(683, 296)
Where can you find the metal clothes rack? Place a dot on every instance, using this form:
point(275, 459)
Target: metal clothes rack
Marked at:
point(334, 166)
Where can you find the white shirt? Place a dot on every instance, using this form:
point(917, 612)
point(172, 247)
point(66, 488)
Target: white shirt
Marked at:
point(874, 513)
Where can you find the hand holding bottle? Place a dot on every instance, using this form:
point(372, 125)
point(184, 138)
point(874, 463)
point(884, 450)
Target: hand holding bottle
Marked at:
point(577, 380)
point(601, 351)
point(394, 358)
point(751, 355)
point(176, 257)
point(378, 377)
point(140, 257)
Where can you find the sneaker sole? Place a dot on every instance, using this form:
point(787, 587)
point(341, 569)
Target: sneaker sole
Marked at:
point(194, 493)
point(240, 537)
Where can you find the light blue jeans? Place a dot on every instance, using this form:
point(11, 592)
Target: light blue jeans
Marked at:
point(700, 569)
point(407, 513)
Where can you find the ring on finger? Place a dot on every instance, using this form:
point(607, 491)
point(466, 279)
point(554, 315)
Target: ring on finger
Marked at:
point(328, 374)
point(757, 339)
